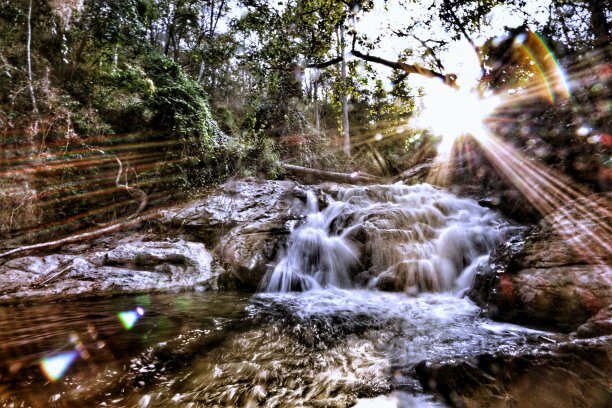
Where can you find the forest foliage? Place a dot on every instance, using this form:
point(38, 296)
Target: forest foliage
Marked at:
point(189, 92)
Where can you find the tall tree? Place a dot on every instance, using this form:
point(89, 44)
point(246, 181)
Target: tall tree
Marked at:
point(345, 121)
point(30, 79)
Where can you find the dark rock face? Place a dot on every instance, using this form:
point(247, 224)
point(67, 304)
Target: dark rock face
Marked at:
point(558, 275)
point(246, 221)
point(598, 325)
point(568, 374)
point(127, 265)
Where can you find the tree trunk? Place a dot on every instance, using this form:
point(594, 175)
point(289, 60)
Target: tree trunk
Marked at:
point(201, 73)
point(315, 176)
point(169, 35)
point(212, 19)
point(345, 122)
point(599, 23)
point(79, 52)
point(30, 80)
point(115, 57)
point(316, 104)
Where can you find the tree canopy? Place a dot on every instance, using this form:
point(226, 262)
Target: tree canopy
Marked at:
point(235, 86)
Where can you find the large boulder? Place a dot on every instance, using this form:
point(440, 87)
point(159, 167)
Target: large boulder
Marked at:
point(570, 373)
point(558, 275)
point(112, 266)
point(247, 222)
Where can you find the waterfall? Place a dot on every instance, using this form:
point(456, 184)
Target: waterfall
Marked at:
point(315, 258)
point(392, 237)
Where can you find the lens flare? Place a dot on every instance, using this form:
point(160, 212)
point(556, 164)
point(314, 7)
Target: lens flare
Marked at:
point(582, 219)
point(546, 66)
point(54, 367)
point(451, 113)
point(575, 214)
point(129, 318)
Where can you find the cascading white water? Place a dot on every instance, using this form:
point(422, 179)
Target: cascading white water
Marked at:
point(315, 258)
point(412, 238)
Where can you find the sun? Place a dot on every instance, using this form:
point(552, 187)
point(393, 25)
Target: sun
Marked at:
point(451, 113)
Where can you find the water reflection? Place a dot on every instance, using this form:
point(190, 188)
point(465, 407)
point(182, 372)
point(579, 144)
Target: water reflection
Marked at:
point(109, 356)
point(320, 348)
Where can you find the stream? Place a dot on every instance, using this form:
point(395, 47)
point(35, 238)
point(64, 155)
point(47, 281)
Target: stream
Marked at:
point(320, 333)
point(335, 347)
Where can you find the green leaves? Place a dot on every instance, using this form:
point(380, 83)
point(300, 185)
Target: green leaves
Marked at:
point(178, 102)
point(115, 22)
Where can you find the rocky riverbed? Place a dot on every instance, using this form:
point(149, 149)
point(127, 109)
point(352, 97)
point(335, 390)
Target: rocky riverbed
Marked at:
point(236, 237)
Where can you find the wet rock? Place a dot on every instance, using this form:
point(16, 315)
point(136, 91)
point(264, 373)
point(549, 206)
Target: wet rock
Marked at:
point(598, 325)
point(234, 203)
point(574, 373)
point(129, 266)
point(511, 203)
point(558, 275)
point(247, 252)
point(246, 221)
point(263, 214)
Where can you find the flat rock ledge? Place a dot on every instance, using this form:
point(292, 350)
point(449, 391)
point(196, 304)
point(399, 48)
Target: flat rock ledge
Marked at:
point(227, 239)
point(107, 267)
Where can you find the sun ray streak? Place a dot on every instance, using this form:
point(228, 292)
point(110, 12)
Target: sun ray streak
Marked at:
point(586, 229)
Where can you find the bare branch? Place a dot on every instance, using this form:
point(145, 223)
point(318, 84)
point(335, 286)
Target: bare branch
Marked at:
point(132, 191)
point(431, 52)
point(321, 65)
point(461, 28)
point(77, 237)
point(449, 79)
point(214, 27)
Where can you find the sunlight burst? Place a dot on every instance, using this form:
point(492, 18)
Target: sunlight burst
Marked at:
point(452, 113)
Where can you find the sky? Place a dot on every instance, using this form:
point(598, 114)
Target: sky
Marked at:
point(460, 58)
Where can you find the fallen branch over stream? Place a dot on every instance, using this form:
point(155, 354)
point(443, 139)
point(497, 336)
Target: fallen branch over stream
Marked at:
point(78, 237)
point(310, 176)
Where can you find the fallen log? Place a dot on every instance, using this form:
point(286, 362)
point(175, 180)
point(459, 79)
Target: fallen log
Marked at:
point(78, 237)
point(314, 176)
point(416, 173)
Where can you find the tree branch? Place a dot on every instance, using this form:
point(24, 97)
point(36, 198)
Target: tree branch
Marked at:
point(431, 52)
point(448, 79)
point(321, 65)
point(461, 28)
point(78, 237)
point(214, 27)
